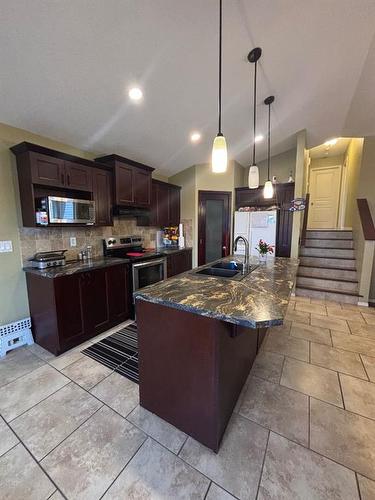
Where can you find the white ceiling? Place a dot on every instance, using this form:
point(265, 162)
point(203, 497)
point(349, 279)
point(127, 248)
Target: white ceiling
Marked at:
point(324, 150)
point(66, 66)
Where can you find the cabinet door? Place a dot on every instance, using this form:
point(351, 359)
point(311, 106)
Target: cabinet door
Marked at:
point(102, 195)
point(47, 170)
point(284, 221)
point(68, 309)
point(163, 205)
point(78, 176)
point(142, 187)
point(119, 293)
point(179, 262)
point(94, 301)
point(124, 184)
point(174, 206)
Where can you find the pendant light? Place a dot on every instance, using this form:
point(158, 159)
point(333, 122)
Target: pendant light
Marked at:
point(219, 147)
point(253, 57)
point(268, 186)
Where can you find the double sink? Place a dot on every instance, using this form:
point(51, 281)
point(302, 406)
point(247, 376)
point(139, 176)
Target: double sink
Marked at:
point(232, 270)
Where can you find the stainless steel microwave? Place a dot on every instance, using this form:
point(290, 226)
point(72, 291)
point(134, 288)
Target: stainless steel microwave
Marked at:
point(70, 211)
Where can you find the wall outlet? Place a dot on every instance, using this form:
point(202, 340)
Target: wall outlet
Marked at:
point(73, 241)
point(6, 246)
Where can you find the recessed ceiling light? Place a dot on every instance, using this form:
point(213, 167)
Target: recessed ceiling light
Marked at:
point(259, 138)
point(135, 94)
point(331, 142)
point(195, 136)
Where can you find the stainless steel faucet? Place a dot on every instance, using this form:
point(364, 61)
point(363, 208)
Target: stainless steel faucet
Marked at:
point(247, 250)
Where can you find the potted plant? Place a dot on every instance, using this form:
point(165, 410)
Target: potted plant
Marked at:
point(263, 249)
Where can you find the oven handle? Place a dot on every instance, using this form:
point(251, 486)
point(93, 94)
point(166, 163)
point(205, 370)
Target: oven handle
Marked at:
point(150, 263)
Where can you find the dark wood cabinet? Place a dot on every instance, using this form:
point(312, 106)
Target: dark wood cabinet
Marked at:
point(283, 195)
point(102, 195)
point(68, 310)
point(132, 181)
point(174, 205)
point(179, 262)
point(46, 170)
point(78, 176)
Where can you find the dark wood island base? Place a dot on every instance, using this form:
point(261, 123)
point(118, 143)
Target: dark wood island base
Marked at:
point(192, 368)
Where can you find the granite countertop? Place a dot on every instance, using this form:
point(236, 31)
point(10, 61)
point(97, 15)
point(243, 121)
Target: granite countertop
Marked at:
point(72, 267)
point(258, 300)
point(171, 250)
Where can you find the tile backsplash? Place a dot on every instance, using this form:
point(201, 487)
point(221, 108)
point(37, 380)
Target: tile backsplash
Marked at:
point(44, 239)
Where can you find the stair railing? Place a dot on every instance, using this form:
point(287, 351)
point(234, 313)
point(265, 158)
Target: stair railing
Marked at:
point(302, 239)
point(364, 235)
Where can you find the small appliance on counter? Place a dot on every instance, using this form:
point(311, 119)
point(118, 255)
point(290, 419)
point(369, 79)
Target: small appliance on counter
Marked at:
point(42, 260)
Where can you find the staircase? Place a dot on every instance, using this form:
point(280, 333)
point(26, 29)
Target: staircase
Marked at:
point(327, 267)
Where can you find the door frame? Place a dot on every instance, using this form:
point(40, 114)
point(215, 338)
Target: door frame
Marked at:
point(203, 195)
point(326, 167)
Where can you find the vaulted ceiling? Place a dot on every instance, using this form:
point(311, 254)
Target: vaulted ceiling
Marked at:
point(66, 66)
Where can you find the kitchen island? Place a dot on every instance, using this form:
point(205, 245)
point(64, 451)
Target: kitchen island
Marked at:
point(198, 338)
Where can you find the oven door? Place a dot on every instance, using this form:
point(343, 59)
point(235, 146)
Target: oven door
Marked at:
point(148, 272)
point(70, 211)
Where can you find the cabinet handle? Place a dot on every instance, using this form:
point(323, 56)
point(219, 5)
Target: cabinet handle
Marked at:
point(68, 179)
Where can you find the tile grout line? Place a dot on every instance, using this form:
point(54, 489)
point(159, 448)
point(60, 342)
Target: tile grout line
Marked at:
point(364, 367)
point(309, 423)
point(263, 462)
point(342, 392)
point(358, 488)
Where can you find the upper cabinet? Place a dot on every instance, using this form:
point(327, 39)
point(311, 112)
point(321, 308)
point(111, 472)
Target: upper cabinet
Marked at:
point(132, 181)
point(165, 205)
point(174, 205)
point(45, 172)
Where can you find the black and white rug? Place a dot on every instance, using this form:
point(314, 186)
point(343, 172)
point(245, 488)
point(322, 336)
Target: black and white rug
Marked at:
point(118, 351)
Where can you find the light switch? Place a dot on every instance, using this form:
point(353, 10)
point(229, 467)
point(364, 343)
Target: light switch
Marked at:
point(73, 241)
point(6, 246)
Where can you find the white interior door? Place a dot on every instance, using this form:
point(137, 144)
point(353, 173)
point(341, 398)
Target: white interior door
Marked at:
point(324, 197)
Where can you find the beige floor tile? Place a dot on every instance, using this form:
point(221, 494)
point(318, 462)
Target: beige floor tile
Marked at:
point(362, 329)
point(40, 352)
point(324, 302)
point(66, 359)
point(312, 380)
point(217, 493)
point(45, 425)
point(345, 437)
point(16, 364)
point(56, 496)
point(309, 332)
point(294, 472)
point(284, 328)
point(21, 478)
point(7, 438)
point(268, 365)
point(336, 359)
point(330, 322)
point(300, 298)
point(366, 487)
point(278, 408)
point(238, 464)
point(27, 391)
point(355, 307)
point(359, 396)
point(86, 372)
point(348, 314)
point(155, 472)
point(300, 316)
point(312, 308)
point(160, 430)
point(288, 346)
point(89, 460)
point(119, 393)
point(354, 343)
point(369, 363)
point(369, 318)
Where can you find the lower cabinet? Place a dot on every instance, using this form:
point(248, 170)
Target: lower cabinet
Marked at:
point(68, 310)
point(179, 262)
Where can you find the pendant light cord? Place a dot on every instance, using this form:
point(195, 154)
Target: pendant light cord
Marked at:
point(220, 57)
point(255, 109)
point(269, 142)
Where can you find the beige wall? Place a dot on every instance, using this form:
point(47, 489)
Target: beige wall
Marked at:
point(281, 166)
point(298, 191)
point(13, 294)
point(352, 166)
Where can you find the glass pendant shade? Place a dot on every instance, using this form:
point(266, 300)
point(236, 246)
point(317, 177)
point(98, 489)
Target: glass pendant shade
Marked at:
point(268, 190)
point(219, 155)
point(253, 177)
